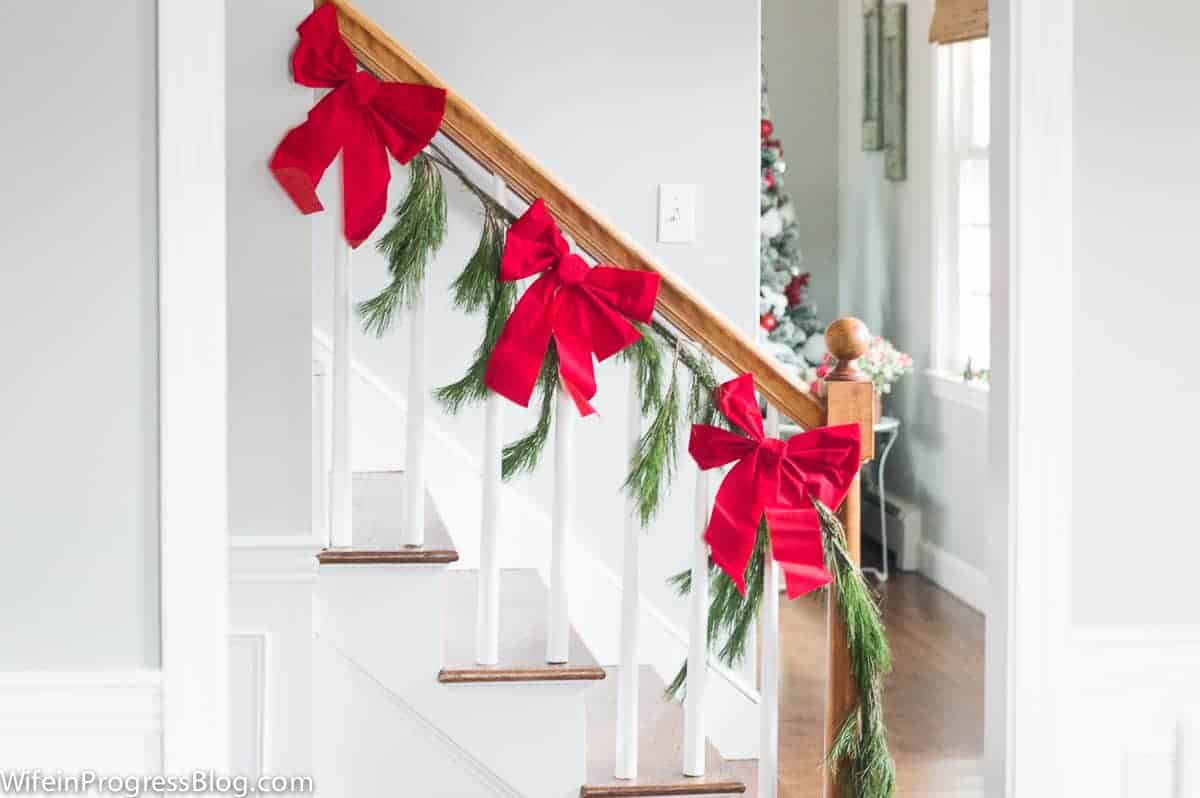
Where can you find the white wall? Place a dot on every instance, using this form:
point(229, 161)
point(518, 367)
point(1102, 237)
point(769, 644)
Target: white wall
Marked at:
point(269, 285)
point(78, 479)
point(1136, 236)
point(886, 268)
point(800, 51)
point(615, 99)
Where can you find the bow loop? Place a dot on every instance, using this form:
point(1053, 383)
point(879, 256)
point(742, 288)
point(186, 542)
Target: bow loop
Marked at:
point(775, 479)
point(361, 117)
point(586, 312)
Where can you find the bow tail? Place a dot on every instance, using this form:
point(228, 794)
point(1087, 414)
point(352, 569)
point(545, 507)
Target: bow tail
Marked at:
point(573, 334)
point(512, 370)
point(365, 177)
point(733, 528)
point(797, 546)
point(306, 152)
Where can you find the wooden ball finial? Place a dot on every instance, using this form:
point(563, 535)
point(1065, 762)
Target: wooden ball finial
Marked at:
point(847, 339)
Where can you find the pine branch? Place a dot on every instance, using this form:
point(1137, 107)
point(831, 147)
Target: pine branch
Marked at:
point(479, 286)
point(475, 288)
point(418, 232)
point(731, 616)
point(653, 464)
point(860, 753)
point(646, 359)
point(523, 454)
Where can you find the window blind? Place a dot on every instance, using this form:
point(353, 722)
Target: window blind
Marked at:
point(959, 21)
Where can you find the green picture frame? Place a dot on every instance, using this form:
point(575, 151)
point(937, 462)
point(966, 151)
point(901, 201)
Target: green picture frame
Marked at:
point(895, 91)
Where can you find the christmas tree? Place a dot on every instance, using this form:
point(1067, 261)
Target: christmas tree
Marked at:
point(789, 322)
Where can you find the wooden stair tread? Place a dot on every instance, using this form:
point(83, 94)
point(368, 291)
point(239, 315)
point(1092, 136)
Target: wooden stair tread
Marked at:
point(522, 634)
point(660, 747)
point(378, 517)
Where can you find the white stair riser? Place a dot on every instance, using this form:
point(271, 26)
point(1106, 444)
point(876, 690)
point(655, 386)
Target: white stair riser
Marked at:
point(386, 618)
point(377, 653)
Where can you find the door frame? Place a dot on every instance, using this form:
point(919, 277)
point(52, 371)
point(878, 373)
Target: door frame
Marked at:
point(1029, 518)
point(193, 464)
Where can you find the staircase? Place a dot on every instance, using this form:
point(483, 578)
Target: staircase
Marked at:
point(434, 681)
point(400, 700)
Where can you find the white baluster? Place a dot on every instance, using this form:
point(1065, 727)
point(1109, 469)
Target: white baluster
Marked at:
point(320, 483)
point(558, 632)
point(341, 517)
point(768, 755)
point(694, 732)
point(627, 676)
point(487, 609)
point(413, 532)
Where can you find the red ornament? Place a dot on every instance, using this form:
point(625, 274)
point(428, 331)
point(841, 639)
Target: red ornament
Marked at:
point(768, 321)
point(769, 178)
point(768, 127)
point(795, 289)
point(362, 117)
point(777, 479)
point(584, 310)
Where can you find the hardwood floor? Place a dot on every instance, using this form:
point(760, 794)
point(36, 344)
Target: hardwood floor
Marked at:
point(934, 696)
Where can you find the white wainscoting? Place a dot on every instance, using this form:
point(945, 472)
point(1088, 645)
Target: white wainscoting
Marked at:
point(962, 580)
point(1129, 719)
point(270, 652)
point(107, 721)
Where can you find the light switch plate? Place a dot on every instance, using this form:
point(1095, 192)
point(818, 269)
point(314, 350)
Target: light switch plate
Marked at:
point(677, 213)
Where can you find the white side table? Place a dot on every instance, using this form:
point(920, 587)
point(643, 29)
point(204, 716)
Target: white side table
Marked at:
point(887, 429)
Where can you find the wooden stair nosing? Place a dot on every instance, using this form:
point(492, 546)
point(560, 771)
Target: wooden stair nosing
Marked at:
point(729, 787)
point(660, 732)
point(523, 642)
point(549, 673)
point(411, 555)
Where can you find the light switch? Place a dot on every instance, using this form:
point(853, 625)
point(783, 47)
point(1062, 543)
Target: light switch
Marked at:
point(677, 213)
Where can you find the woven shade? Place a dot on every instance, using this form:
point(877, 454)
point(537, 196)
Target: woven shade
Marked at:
point(959, 21)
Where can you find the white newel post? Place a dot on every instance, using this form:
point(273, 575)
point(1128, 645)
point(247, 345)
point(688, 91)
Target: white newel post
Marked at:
point(768, 757)
point(341, 518)
point(487, 607)
point(413, 532)
point(627, 684)
point(697, 661)
point(558, 633)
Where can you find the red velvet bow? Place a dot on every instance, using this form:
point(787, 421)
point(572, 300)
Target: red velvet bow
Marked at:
point(778, 479)
point(585, 310)
point(363, 117)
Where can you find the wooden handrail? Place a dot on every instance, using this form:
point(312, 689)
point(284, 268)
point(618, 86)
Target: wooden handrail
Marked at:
point(470, 129)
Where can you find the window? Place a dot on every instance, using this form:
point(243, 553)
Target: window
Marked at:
point(962, 212)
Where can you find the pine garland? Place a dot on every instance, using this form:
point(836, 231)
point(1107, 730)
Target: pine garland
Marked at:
point(860, 751)
point(860, 748)
point(522, 455)
point(409, 245)
point(652, 466)
point(479, 287)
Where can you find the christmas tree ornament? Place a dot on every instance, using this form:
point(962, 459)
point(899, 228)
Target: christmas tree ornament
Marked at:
point(773, 480)
point(795, 289)
point(363, 117)
point(767, 127)
point(768, 321)
point(584, 310)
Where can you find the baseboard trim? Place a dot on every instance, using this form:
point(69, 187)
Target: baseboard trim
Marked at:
point(965, 582)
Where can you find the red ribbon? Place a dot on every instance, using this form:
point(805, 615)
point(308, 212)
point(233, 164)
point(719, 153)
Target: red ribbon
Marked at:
point(776, 478)
point(363, 117)
point(585, 310)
